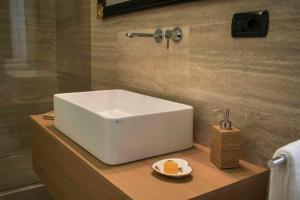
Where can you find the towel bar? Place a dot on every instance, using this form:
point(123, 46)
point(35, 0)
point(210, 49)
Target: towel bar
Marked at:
point(277, 161)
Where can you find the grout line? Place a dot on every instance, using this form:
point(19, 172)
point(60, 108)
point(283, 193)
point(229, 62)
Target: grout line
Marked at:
point(15, 156)
point(21, 189)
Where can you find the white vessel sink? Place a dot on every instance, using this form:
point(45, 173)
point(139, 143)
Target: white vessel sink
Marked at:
point(118, 126)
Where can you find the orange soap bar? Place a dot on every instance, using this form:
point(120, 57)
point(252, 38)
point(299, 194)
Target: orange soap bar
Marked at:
point(171, 167)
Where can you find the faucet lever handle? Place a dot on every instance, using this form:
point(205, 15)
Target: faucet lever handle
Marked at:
point(168, 35)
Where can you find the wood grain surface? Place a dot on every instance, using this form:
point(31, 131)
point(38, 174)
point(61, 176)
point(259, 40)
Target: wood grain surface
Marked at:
point(70, 172)
point(225, 147)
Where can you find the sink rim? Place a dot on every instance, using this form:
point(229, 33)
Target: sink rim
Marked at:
point(184, 106)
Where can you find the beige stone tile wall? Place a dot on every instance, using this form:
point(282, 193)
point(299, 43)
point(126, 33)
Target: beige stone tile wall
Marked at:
point(257, 78)
point(73, 45)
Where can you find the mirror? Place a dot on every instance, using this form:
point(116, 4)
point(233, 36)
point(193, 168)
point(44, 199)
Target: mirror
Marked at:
point(108, 8)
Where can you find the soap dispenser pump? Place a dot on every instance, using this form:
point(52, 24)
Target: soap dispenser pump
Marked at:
point(225, 143)
point(225, 124)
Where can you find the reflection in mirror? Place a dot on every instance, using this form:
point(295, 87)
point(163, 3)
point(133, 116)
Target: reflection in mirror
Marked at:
point(113, 2)
point(114, 7)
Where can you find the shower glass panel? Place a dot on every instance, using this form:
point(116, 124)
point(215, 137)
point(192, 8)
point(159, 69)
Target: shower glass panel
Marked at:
point(33, 68)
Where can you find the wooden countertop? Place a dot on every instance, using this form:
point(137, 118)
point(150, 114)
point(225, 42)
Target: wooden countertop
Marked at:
point(55, 155)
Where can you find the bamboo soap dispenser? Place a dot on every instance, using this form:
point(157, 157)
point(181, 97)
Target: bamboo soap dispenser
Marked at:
point(225, 143)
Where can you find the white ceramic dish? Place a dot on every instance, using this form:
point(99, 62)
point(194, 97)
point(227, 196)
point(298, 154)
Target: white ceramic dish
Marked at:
point(119, 126)
point(184, 167)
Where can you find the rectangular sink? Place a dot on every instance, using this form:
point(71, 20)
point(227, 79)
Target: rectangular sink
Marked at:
point(119, 126)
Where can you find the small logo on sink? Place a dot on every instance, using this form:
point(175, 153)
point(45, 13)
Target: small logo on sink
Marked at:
point(118, 121)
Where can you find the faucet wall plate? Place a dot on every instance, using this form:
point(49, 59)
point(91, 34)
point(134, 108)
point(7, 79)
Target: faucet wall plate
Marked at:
point(177, 34)
point(158, 35)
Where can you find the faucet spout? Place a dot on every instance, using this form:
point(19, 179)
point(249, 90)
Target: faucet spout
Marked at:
point(157, 35)
point(131, 35)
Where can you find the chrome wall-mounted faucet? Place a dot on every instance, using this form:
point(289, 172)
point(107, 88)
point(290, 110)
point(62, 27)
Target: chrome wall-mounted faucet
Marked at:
point(157, 35)
point(175, 35)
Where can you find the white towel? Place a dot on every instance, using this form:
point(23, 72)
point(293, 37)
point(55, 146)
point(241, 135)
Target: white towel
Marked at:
point(285, 179)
